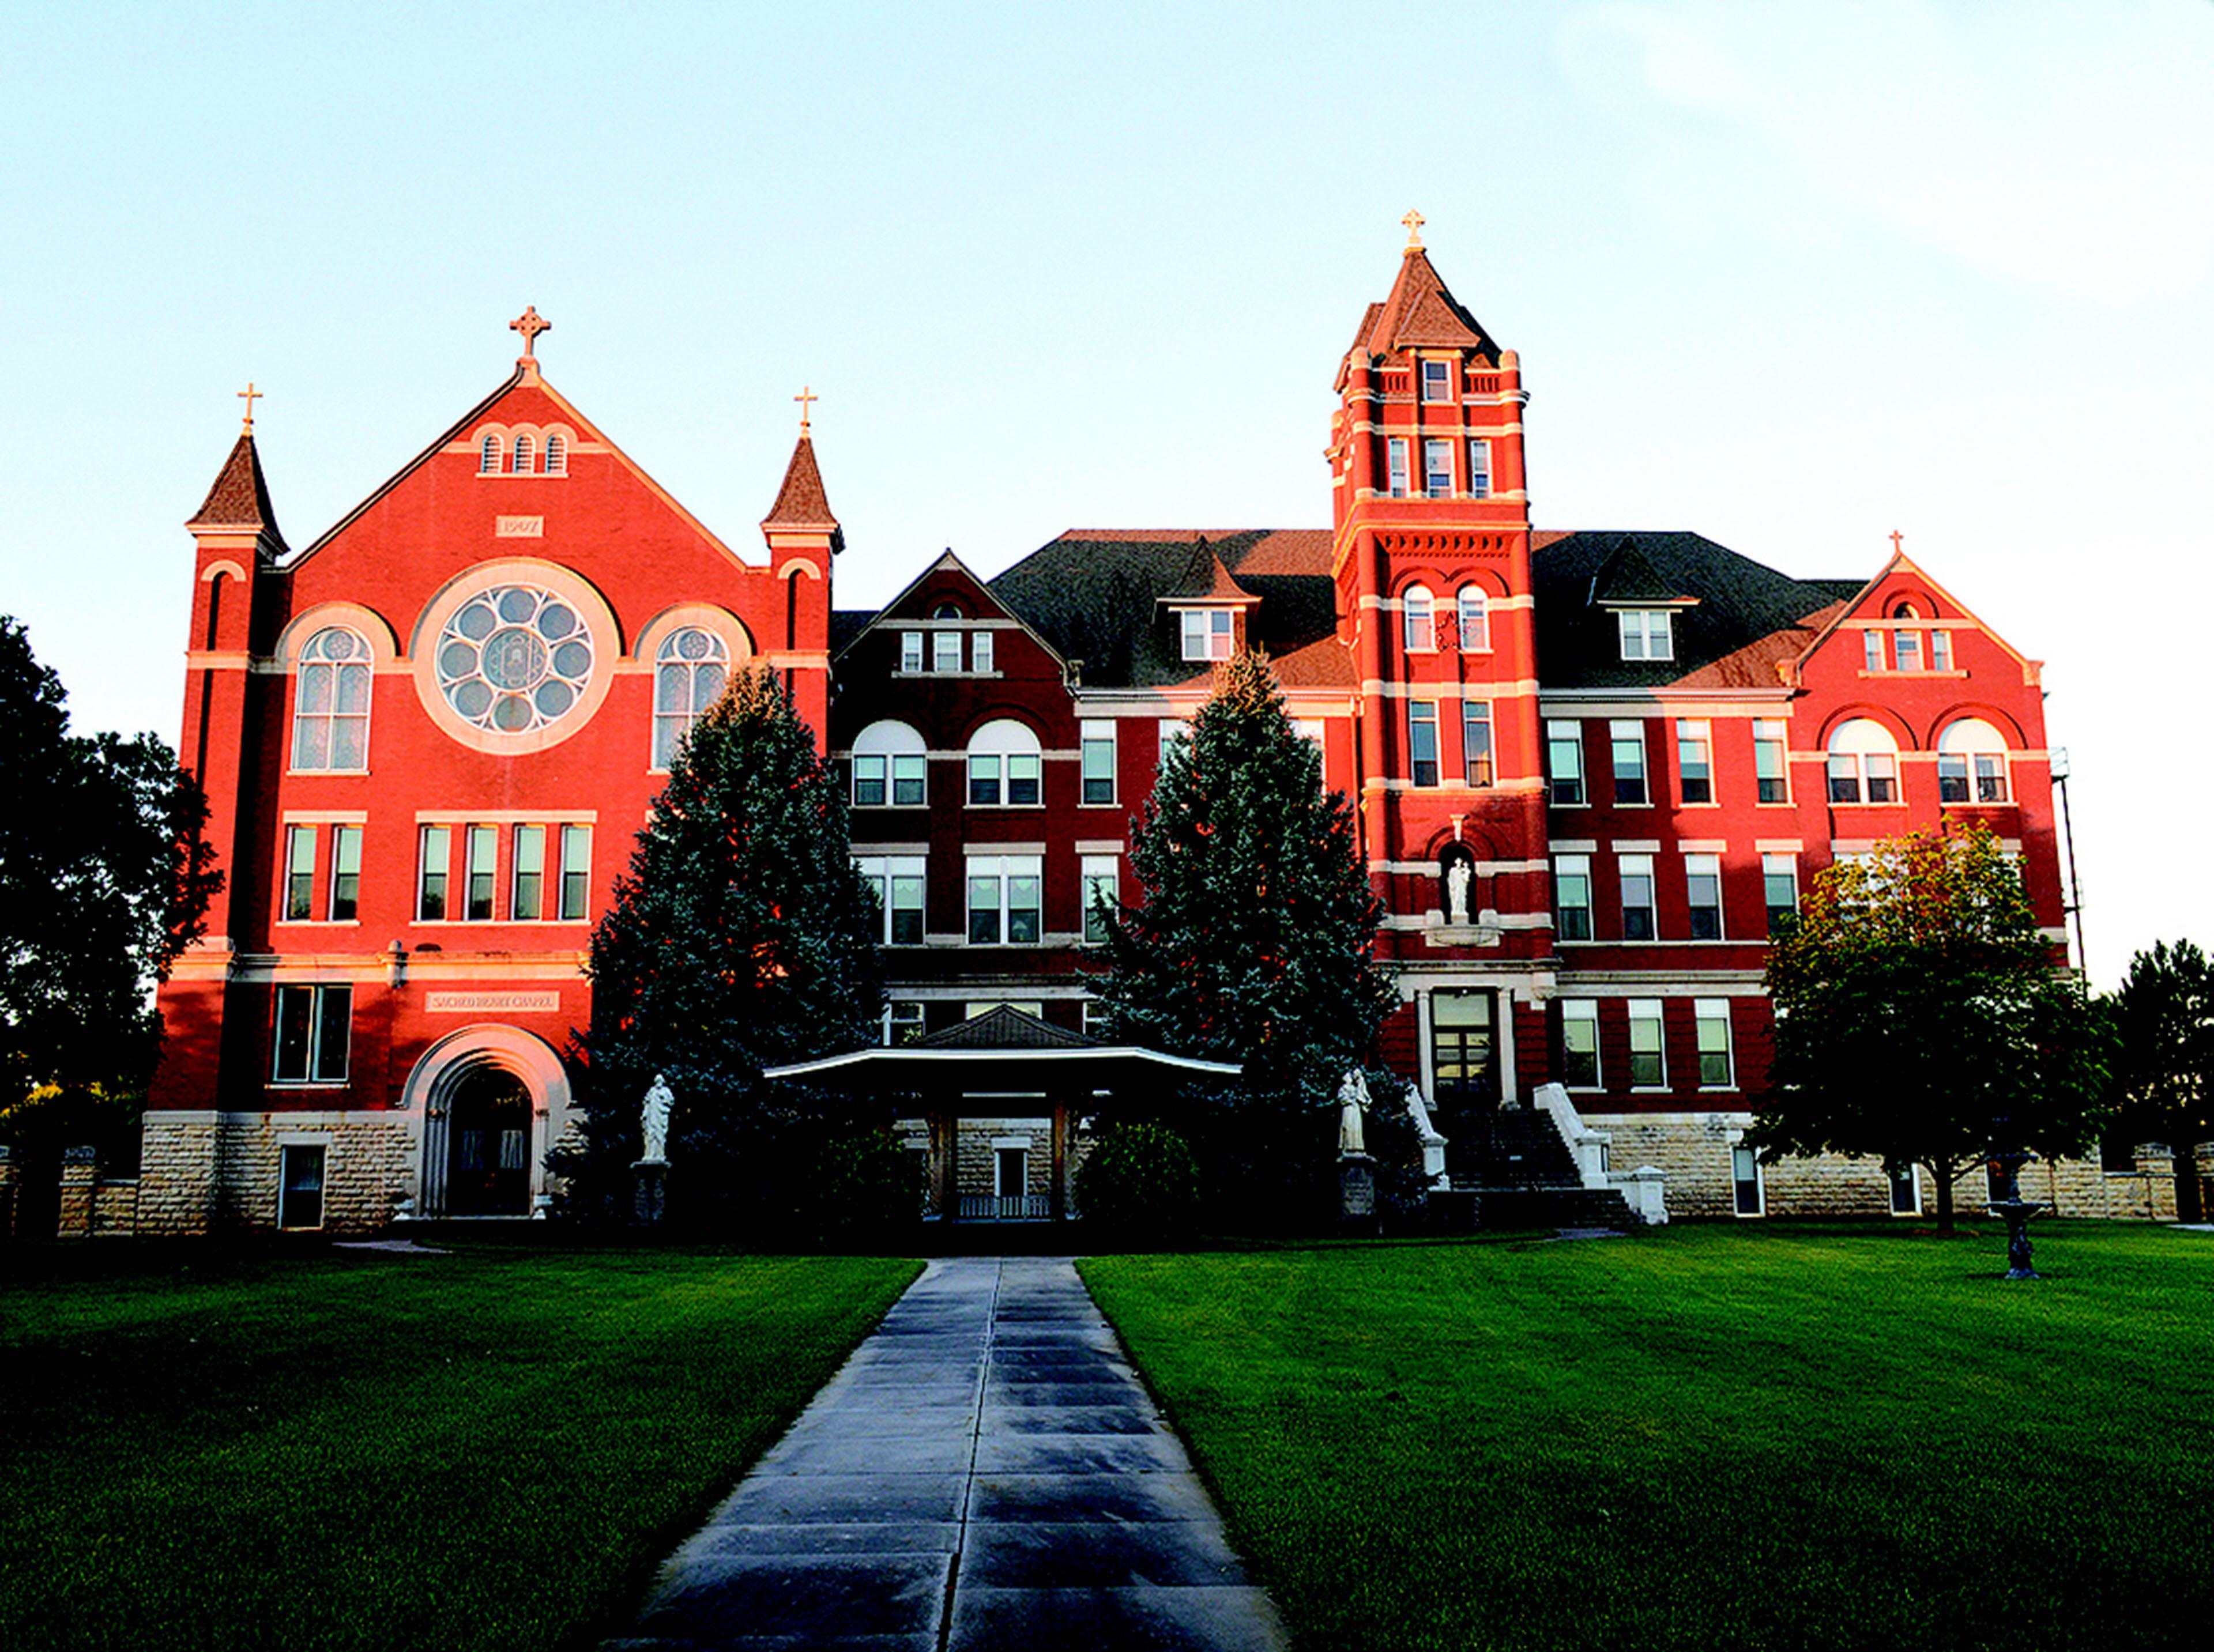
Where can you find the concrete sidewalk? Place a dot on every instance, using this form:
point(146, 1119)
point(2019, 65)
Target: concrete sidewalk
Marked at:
point(985, 1472)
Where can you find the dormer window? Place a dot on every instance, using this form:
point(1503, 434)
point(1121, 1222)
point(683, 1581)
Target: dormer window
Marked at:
point(488, 457)
point(1648, 634)
point(1206, 632)
point(1437, 380)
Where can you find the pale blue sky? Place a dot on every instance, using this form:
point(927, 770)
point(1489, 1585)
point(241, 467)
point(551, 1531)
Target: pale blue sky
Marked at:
point(1789, 275)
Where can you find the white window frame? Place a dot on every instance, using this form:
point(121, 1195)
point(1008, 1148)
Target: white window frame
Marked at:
point(1862, 753)
point(1478, 770)
point(526, 859)
point(891, 754)
point(321, 1147)
point(1418, 612)
point(945, 653)
point(318, 1072)
point(901, 1016)
point(1423, 719)
point(295, 875)
point(573, 902)
point(1773, 867)
point(1207, 634)
point(1972, 755)
point(1565, 734)
point(979, 652)
point(1395, 467)
point(1649, 1013)
point(1584, 1014)
point(1709, 1014)
point(678, 700)
point(1479, 468)
point(434, 858)
point(1908, 1176)
point(911, 652)
point(1694, 734)
point(1010, 750)
point(1567, 868)
point(1004, 871)
point(1871, 649)
point(1906, 647)
point(474, 837)
point(1440, 374)
point(1646, 634)
point(1941, 659)
point(1437, 468)
point(1095, 873)
point(1759, 1183)
point(894, 877)
point(1095, 738)
point(1472, 617)
point(312, 668)
point(1635, 875)
point(1708, 868)
point(1775, 734)
point(1627, 734)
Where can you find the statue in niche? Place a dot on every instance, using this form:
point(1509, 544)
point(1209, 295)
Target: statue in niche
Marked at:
point(1352, 1100)
point(653, 1121)
point(1457, 878)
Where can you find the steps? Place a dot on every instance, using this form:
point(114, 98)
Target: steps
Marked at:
point(1516, 1172)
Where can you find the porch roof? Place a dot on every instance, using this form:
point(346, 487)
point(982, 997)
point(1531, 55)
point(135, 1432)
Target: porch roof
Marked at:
point(1001, 1050)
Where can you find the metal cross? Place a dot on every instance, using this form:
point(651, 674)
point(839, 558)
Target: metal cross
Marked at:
point(1414, 222)
point(1897, 547)
point(530, 323)
point(251, 395)
point(806, 398)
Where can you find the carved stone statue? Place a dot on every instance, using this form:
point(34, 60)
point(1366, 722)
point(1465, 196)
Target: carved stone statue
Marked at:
point(1419, 1111)
point(1353, 1098)
point(653, 1118)
point(1434, 1142)
point(1458, 877)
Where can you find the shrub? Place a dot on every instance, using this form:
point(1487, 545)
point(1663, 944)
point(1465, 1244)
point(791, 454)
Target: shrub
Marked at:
point(1139, 1183)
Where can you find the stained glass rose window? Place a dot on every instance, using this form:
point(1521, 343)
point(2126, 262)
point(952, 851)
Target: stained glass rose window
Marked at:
point(514, 658)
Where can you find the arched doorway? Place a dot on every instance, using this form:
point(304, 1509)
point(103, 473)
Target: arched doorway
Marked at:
point(492, 1100)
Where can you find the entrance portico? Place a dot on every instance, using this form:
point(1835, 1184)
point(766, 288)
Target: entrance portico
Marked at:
point(1004, 1064)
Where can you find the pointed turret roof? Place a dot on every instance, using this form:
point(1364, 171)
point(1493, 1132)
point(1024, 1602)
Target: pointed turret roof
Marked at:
point(1420, 313)
point(800, 503)
point(1207, 578)
point(240, 498)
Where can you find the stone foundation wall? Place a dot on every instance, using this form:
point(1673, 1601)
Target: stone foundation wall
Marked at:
point(976, 1159)
point(368, 1165)
point(80, 1180)
point(114, 1208)
point(176, 1172)
point(1693, 1151)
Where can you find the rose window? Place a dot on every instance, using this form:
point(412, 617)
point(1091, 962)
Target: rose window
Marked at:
point(514, 659)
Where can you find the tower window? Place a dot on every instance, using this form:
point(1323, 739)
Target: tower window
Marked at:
point(1395, 459)
point(1475, 621)
point(1479, 468)
point(330, 710)
point(1437, 467)
point(1437, 380)
point(1421, 612)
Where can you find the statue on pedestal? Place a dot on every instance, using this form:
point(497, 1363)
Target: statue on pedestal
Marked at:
point(1352, 1100)
point(653, 1120)
point(1457, 878)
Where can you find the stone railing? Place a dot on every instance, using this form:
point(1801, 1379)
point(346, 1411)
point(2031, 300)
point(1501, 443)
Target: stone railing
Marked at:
point(1643, 1189)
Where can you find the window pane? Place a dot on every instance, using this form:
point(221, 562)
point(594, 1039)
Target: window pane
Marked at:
point(1422, 743)
point(1476, 742)
point(1099, 751)
point(1580, 1043)
point(983, 911)
point(1022, 778)
point(869, 781)
point(910, 650)
point(1844, 779)
point(983, 779)
point(576, 871)
point(484, 854)
point(431, 896)
point(295, 1030)
point(1627, 743)
point(529, 872)
point(1872, 649)
point(345, 873)
point(1022, 914)
point(1479, 468)
point(907, 771)
point(979, 652)
point(334, 1022)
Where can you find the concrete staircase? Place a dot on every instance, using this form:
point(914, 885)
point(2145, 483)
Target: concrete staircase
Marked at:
point(1513, 1170)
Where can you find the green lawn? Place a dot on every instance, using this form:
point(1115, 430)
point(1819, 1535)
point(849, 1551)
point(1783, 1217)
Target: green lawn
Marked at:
point(1704, 1436)
point(492, 1448)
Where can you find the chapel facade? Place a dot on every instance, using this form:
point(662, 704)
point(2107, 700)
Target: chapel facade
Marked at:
point(1589, 769)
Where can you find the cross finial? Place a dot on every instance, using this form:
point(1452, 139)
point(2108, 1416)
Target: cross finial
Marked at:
point(1897, 548)
point(806, 398)
point(530, 323)
point(1414, 222)
point(250, 395)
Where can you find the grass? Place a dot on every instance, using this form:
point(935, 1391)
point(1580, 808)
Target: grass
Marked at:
point(487, 1450)
point(1708, 1437)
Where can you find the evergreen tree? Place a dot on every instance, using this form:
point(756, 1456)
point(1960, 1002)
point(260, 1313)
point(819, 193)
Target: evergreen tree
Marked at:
point(1255, 943)
point(2164, 1077)
point(1920, 1018)
point(105, 877)
point(742, 937)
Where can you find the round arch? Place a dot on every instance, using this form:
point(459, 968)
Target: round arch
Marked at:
point(446, 1072)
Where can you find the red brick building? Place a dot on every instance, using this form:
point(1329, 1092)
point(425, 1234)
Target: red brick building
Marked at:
point(1587, 764)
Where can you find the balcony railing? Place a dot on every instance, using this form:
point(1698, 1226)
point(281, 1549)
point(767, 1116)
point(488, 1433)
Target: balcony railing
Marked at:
point(1011, 1207)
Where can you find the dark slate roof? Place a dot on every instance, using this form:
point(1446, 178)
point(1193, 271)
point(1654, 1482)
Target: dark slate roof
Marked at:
point(1742, 604)
point(1421, 313)
point(801, 503)
point(240, 497)
point(1096, 596)
point(1007, 1028)
point(846, 624)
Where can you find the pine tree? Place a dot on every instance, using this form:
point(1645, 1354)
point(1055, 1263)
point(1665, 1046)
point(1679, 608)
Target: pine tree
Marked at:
point(1255, 942)
point(742, 937)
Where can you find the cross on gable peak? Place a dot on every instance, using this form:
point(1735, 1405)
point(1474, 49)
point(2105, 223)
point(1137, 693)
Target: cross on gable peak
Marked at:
point(806, 398)
point(529, 324)
point(250, 395)
point(1414, 221)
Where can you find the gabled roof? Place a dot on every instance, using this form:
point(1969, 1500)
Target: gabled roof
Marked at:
point(1206, 579)
point(1006, 1027)
point(1420, 313)
point(1855, 595)
point(801, 503)
point(1626, 578)
point(240, 497)
point(526, 375)
point(1096, 595)
point(844, 634)
point(1742, 605)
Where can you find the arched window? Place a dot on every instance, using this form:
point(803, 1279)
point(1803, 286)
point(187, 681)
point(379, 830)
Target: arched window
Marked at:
point(690, 671)
point(1905, 611)
point(1003, 765)
point(890, 766)
point(557, 456)
point(1420, 609)
point(1971, 762)
point(522, 455)
point(488, 457)
point(330, 710)
point(1863, 762)
point(1475, 621)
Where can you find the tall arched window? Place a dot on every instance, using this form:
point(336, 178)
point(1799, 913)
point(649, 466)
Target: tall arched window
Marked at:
point(1003, 765)
point(690, 671)
point(1971, 762)
point(1863, 762)
point(330, 709)
point(889, 767)
point(557, 456)
point(488, 457)
point(523, 454)
point(1420, 609)
point(1475, 618)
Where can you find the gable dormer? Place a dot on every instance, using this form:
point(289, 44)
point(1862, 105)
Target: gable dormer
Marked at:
point(1208, 611)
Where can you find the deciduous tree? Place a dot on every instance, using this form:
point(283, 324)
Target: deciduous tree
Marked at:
point(2164, 1069)
point(1920, 1017)
point(105, 877)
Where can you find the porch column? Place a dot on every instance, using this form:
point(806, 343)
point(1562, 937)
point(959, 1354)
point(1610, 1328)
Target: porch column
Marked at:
point(1058, 1197)
point(945, 1127)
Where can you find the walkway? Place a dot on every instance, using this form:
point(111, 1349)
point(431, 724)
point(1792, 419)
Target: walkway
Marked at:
point(985, 1473)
